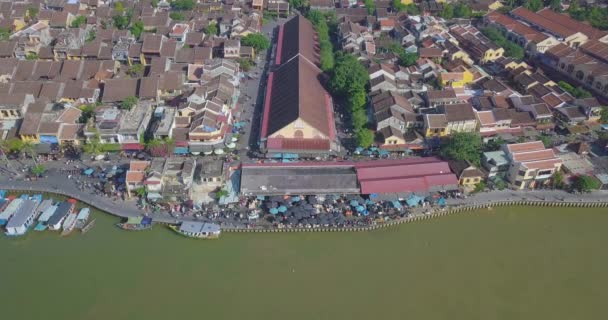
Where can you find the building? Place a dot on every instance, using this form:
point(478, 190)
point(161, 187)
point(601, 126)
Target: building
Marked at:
point(532, 40)
point(480, 48)
point(496, 163)
point(468, 175)
point(303, 178)
point(531, 164)
point(399, 178)
point(298, 111)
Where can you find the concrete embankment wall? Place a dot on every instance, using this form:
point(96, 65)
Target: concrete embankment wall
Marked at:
point(436, 214)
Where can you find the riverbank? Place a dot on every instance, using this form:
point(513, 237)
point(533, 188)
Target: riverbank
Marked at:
point(505, 263)
point(554, 198)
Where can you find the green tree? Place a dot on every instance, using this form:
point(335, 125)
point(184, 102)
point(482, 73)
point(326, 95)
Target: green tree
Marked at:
point(120, 22)
point(479, 187)
point(604, 115)
point(185, 5)
point(558, 180)
point(212, 29)
point(348, 75)
point(119, 8)
point(87, 112)
point(494, 144)
point(136, 70)
point(534, 5)
point(245, 64)
point(5, 33)
point(256, 40)
point(140, 192)
point(91, 36)
point(585, 183)
point(461, 10)
point(12, 145)
point(31, 56)
point(38, 170)
point(29, 148)
point(365, 137)
point(408, 59)
point(154, 3)
point(555, 5)
point(547, 140)
point(177, 16)
point(447, 12)
point(463, 146)
point(32, 12)
point(128, 103)
point(93, 145)
point(370, 5)
point(137, 29)
point(412, 9)
point(79, 21)
point(398, 6)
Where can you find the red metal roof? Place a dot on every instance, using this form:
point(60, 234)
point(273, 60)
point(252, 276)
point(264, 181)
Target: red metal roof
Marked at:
point(297, 144)
point(264, 133)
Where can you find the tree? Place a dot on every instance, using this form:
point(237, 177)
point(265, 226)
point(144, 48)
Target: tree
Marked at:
point(370, 5)
point(31, 56)
point(547, 140)
point(137, 29)
point(154, 3)
point(177, 16)
point(462, 10)
point(91, 36)
point(93, 145)
point(256, 40)
point(119, 8)
point(558, 180)
point(79, 21)
point(5, 33)
point(365, 137)
point(32, 12)
point(463, 146)
point(555, 5)
point(534, 5)
point(140, 192)
point(576, 92)
point(12, 145)
point(136, 70)
point(38, 170)
point(221, 193)
point(494, 144)
point(585, 183)
point(120, 22)
point(348, 75)
point(87, 111)
point(184, 5)
point(128, 103)
point(408, 59)
point(212, 29)
point(29, 148)
point(398, 6)
point(245, 64)
point(412, 9)
point(604, 115)
point(479, 187)
point(448, 11)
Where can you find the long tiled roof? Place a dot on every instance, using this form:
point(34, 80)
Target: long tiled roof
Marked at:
point(517, 27)
point(542, 22)
point(297, 37)
point(572, 24)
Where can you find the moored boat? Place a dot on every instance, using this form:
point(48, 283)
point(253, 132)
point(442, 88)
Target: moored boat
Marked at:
point(63, 210)
point(136, 223)
point(82, 218)
point(23, 218)
point(198, 230)
point(10, 210)
point(44, 218)
point(69, 223)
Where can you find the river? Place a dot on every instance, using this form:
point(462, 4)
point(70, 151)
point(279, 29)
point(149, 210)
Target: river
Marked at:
point(506, 263)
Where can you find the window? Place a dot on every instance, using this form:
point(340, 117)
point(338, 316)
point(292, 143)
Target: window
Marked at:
point(298, 134)
point(518, 183)
point(521, 173)
point(544, 172)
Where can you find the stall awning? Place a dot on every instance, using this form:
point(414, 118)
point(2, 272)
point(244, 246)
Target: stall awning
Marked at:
point(181, 150)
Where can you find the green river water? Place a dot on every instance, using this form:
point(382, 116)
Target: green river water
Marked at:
point(508, 263)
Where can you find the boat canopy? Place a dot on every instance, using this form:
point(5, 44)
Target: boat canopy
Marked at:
point(134, 220)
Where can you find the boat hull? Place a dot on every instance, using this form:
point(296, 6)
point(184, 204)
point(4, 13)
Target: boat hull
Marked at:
point(134, 227)
point(201, 237)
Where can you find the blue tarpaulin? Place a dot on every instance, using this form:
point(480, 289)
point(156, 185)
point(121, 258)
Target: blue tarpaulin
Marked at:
point(180, 150)
point(2, 193)
point(290, 156)
point(295, 199)
point(354, 203)
point(441, 202)
point(414, 200)
point(396, 204)
point(88, 172)
point(360, 208)
point(274, 210)
point(276, 156)
point(260, 197)
point(282, 209)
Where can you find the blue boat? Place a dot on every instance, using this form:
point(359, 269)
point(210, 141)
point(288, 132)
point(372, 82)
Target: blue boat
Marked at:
point(10, 210)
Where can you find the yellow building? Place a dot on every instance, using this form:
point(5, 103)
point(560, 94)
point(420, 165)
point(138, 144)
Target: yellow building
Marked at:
point(495, 5)
point(468, 175)
point(406, 2)
point(435, 125)
point(457, 78)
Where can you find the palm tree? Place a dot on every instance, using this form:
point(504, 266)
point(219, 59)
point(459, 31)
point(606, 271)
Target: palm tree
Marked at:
point(38, 170)
point(93, 146)
point(30, 149)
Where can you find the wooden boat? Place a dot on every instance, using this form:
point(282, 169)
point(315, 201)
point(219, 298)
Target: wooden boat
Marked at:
point(69, 224)
point(136, 224)
point(88, 227)
point(82, 218)
point(197, 230)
